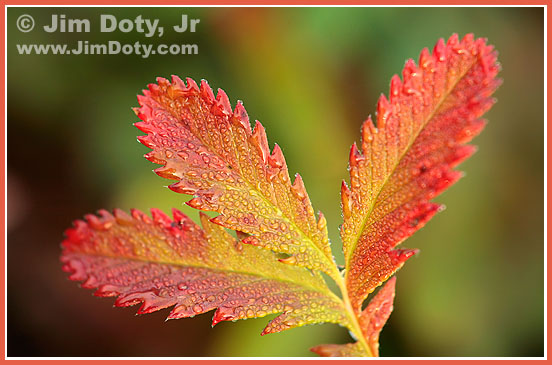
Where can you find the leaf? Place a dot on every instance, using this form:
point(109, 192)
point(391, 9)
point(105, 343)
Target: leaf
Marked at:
point(215, 156)
point(371, 320)
point(163, 262)
point(407, 157)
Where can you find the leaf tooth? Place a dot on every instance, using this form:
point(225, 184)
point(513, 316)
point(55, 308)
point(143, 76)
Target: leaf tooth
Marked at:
point(177, 81)
point(258, 138)
point(394, 91)
point(468, 39)
point(453, 41)
point(346, 203)
point(399, 256)
point(182, 187)
point(448, 178)
point(166, 172)
point(139, 215)
point(240, 114)
point(298, 188)
point(146, 141)
point(219, 219)
point(144, 126)
point(206, 92)
point(146, 92)
point(127, 300)
point(196, 203)
point(162, 82)
point(384, 110)
point(174, 92)
point(354, 156)
point(322, 224)
point(278, 324)
point(222, 105)
point(191, 85)
point(440, 51)
point(417, 218)
point(161, 218)
point(460, 154)
point(368, 134)
point(144, 112)
point(409, 69)
point(152, 303)
point(96, 223)
point(75, 268)
point(276, 158)
point(425, 61)
point(106, 290)
point(74, 234)
point(185, 222)
point(180, 217)
point(178, 312)
point(179, 88)
point(90, 283)
point(105, 215)
point(122, 217)
point(222, 314)
point(471, 130)
point(154, 89)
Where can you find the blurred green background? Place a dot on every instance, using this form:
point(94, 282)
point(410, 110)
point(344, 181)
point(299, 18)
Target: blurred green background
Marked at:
point(311, 75)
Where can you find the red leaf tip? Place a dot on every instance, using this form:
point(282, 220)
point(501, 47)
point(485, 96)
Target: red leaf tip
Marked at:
point(222, 105)
point(206, 92)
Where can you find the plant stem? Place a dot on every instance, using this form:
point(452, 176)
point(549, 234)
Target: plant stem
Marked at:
point(353, 319)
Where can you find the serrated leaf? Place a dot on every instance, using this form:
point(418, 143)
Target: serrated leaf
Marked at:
point(405, 160)
point(407, 157)
point(164, 262)
point(215, 156)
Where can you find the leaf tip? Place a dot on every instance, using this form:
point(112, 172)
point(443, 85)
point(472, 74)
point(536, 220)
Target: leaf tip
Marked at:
point(354, 156)
point(222, 105)
point(240, 114)
point(206, 92)
point(394, 90)
point(220, 316)
point(260, 141)
point(276, 158)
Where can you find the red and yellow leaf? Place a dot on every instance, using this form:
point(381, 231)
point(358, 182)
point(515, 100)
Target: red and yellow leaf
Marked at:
point(215, 156)
point(407, 157)
point(164, 262)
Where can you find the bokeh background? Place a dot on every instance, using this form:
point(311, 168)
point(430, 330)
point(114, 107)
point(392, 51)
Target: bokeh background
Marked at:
point(311, 75)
